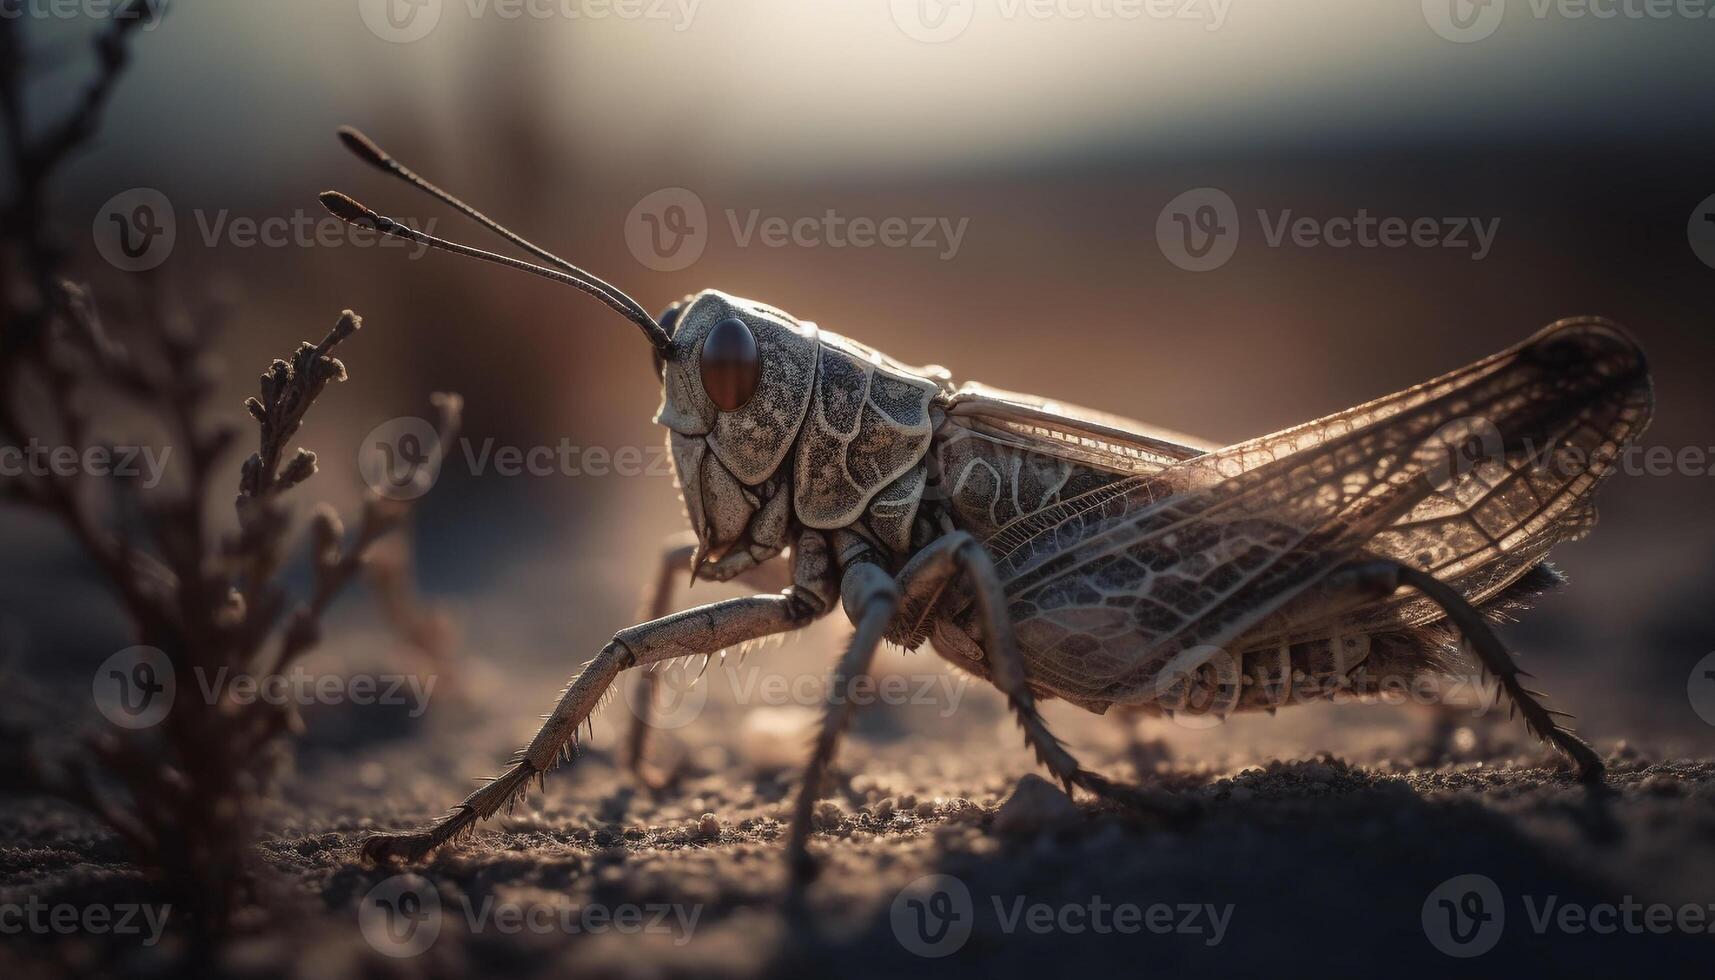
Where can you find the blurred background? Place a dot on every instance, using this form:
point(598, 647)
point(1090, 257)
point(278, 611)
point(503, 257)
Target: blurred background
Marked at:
point(1035, 152)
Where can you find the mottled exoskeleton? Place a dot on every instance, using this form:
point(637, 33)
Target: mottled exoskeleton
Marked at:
point(1061, 553)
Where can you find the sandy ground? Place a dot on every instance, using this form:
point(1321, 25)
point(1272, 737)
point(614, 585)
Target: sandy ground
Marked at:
point(1333, 863)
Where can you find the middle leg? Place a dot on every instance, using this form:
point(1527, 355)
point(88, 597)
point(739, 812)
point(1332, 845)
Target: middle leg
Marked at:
point(960, 554)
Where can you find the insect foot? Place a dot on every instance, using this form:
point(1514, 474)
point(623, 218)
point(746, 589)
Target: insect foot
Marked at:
point(408, 848)
point(1171, 808)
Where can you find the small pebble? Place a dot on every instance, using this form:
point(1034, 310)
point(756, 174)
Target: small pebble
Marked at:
point(1034, 804)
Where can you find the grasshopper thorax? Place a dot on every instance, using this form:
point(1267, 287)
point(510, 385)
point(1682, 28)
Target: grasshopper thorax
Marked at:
point(774, 424)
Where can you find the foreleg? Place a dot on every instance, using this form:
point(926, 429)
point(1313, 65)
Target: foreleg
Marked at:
point(702, 631)
point(676, 564)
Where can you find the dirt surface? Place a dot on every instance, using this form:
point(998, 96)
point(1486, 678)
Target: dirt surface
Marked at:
point(1332, 864)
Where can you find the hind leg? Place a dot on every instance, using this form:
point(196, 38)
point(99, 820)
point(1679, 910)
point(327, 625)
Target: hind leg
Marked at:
point(1385, 576)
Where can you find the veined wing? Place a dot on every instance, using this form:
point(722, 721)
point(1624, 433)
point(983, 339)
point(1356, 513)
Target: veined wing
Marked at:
point(1199, 554)
point(1002, 460)
point(1080, 435)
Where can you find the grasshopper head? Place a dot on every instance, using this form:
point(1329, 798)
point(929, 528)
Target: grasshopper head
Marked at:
point(735, 385)
point(736, 379)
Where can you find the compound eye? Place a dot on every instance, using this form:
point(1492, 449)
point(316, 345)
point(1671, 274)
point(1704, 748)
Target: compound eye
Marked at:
point(730, 368)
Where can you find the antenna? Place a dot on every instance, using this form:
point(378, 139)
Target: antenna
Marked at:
point(352, 212)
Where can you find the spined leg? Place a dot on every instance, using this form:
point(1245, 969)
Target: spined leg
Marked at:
point(704, 631)
point(926, 577)
point(870, 599)
point(1385, 576)
point(675, 563)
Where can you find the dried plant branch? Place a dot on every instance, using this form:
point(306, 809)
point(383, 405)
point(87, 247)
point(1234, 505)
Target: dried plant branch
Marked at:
point(182, 795)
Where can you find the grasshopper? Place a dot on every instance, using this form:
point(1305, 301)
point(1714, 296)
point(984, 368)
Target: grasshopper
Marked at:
point(1062, 553)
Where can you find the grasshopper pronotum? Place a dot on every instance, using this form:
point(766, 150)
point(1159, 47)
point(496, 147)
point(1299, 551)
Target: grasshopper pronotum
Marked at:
point(1062, 553)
